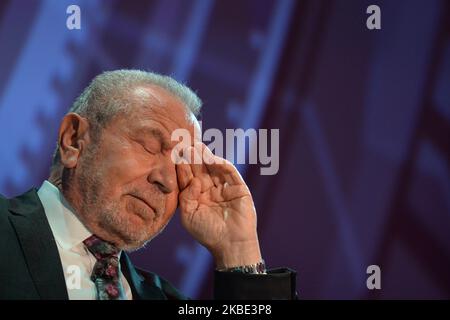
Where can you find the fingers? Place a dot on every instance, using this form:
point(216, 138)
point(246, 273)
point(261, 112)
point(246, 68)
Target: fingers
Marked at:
point(192, 192)
point(184, 175)
point(211, 170)
point(188, 198)
point(192, 167)
point(196, 161)
point(234, 192)
point(201, 171)
point(221, 167)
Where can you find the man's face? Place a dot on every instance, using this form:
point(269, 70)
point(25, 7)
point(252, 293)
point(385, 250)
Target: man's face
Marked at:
point(127, 184)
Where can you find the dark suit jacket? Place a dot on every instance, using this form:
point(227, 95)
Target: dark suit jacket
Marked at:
point(30, 267)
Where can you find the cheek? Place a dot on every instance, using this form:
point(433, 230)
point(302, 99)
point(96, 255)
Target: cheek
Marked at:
point(123, 165)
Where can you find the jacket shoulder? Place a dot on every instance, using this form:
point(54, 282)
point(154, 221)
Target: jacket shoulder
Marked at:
point(22, 203)
point(3, 203)
point(4, 206)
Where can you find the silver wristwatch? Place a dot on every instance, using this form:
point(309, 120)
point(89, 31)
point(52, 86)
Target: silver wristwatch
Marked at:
point(257, 268)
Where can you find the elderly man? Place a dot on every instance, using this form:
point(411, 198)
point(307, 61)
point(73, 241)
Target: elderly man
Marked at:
point(114, 186)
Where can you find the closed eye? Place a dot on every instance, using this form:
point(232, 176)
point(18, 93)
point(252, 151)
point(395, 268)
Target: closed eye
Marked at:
point(146, 148)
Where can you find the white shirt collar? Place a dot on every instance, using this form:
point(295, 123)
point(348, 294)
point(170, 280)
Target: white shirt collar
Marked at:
point(66, 227)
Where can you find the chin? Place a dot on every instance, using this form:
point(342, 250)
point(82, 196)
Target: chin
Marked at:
point(133, 245)
point(136, 239)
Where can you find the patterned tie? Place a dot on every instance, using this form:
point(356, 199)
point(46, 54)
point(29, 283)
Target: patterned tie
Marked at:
point(105, 274)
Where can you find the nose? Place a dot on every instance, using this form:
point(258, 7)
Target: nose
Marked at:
point(163, 175)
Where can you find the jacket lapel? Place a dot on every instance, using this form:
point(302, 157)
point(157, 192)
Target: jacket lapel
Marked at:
point(141, 288)
point(38, 245)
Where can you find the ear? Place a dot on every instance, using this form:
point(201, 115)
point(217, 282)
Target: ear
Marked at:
point(73, 139)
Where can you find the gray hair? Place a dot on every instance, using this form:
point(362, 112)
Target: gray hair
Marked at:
point(107, 95)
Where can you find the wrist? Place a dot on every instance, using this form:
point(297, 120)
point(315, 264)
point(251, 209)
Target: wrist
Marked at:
point(238, 255)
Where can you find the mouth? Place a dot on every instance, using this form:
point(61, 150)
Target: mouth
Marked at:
point(141, 199)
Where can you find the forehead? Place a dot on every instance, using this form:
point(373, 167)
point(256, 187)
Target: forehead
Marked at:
point(154, 107)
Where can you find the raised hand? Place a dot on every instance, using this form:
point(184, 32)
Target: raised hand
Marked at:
point(217, 208)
